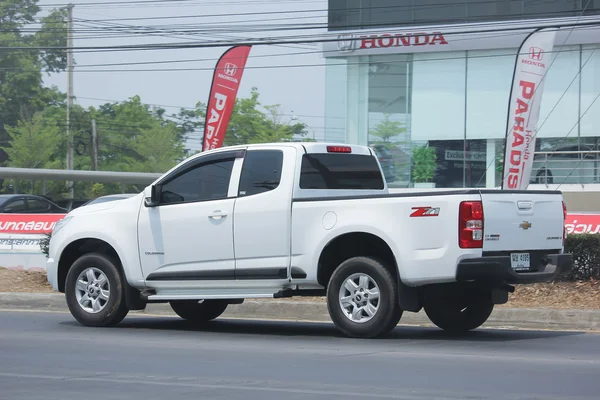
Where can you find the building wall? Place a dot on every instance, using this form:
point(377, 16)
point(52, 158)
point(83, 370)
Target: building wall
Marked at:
point(365, 14)
point(457, 103)
point(406, 74)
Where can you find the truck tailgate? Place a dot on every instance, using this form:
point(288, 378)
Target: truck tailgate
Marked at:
point(522, 221)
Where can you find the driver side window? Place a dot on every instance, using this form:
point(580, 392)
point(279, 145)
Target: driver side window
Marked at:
point(203, 182)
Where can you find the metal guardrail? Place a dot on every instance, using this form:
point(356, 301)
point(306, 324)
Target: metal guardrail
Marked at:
point(566, 167)
point(77, 175)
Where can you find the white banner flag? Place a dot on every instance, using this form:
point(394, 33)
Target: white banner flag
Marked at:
point(531, 66)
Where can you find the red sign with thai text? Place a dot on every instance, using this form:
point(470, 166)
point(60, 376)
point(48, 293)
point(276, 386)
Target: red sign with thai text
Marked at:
point(582, 223)
point(28, 223)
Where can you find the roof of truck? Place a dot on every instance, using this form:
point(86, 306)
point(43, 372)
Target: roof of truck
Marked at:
point(299, 145)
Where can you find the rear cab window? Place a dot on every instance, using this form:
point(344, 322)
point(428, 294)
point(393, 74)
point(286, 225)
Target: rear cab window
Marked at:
point(339, 170)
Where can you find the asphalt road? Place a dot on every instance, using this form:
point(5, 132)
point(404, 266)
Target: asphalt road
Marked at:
point(49, 356)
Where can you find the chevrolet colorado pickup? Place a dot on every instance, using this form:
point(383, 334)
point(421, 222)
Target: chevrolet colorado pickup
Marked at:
point(305, 219)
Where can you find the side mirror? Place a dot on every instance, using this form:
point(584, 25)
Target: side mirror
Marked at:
point(152, 198)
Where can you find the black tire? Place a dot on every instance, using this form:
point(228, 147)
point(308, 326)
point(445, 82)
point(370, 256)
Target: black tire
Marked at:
point(115, 309)
point(459, 314)
point(388, 311)
point(394, 320)
point(194, 311)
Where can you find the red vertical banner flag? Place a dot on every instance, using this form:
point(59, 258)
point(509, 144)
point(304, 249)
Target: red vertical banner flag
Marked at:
point(226, 82)
point(531, 66)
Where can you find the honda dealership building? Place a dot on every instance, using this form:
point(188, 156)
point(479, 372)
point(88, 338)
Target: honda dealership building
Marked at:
point(423, 78)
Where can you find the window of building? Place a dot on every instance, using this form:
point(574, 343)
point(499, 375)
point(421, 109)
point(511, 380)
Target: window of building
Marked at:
point(340, 171)
point(261, 172)
point(354, 14)
point(204, 182)
point(438, 96)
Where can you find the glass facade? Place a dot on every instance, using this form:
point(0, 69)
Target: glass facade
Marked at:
point(439, 118)
point(365, 14)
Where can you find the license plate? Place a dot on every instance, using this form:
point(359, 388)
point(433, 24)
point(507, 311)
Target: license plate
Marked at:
point(520, 261)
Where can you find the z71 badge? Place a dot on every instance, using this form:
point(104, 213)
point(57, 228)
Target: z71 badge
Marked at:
point(425, 212)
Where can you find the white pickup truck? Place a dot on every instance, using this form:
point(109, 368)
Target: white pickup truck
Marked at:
point(305, 219)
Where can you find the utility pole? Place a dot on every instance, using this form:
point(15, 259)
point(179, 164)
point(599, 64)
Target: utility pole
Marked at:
point(94, 151)
point(69, 93)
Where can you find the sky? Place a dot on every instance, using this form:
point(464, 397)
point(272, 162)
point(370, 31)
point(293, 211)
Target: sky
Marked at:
point(299, 90)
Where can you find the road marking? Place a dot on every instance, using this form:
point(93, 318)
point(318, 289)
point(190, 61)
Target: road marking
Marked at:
point(224, 386)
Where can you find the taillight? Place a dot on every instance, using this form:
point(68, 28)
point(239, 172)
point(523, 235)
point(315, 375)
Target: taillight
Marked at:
point(339, 149)
point(470, 228)
point(564, 223)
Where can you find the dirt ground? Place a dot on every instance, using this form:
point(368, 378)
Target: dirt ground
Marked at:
point(560, 295)
point(23, 281)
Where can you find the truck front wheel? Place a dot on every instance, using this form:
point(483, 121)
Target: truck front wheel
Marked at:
point(459, 314)
point(362, 298)
point(195, 311)
point(95, 291)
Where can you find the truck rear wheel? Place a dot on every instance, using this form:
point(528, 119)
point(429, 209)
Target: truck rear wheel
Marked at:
point(362, 298)
point(196, 311)
point(459, 314)
point(95, 291)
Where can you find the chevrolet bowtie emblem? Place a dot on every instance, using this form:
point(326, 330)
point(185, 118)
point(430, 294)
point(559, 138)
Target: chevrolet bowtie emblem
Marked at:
point(525, 225)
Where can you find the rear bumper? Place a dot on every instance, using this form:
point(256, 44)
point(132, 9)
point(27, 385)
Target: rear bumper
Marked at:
point(497, 268)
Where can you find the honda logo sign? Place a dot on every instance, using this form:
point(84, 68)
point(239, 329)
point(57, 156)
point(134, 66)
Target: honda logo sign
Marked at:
point(345, 43)
point(535, 53)
point(230, 69)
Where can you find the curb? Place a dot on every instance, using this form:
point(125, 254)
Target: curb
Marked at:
point(515, 318)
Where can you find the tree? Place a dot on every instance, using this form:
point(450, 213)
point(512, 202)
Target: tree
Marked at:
point(387, 129)
point(22, 93)
point(16, 13)
point(160, 147)
point(34, 144)
point(120, 125)
point(246, 120)
point(424, 165)
point(250, 124)
point(274, 130)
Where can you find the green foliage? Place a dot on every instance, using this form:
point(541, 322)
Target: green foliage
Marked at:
point(586, 257)
point(96, 190)
point(160, 148)
point(424, 165)
point(53, 34)
point(387, 129)
point(248, 124)
point(16, 13)
point(33, 143)
point(132, 137)
point(22, 93)
point(45, 244)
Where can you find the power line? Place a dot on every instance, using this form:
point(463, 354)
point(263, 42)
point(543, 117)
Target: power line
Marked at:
point(283, 66)
point(492, 21)
point(174, 3)
point(259, 41)
point(319, 10)
point(272, 55)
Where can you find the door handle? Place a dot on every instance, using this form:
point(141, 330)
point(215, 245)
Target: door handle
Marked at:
point(218, 214)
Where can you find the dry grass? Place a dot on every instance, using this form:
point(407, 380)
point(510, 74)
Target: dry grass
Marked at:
point(23, 281)
point(561, 295)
